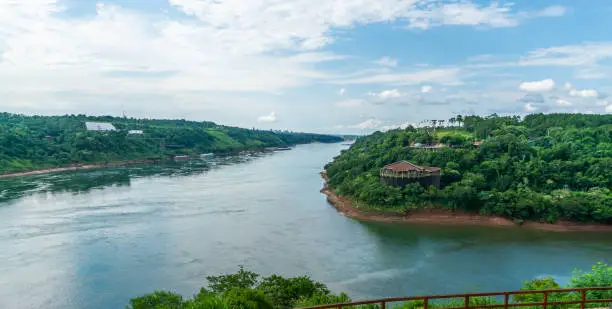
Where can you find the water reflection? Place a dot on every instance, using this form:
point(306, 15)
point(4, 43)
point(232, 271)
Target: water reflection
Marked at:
point(83, 181)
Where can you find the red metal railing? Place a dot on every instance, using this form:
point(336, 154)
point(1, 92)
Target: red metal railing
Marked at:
point(545, 299)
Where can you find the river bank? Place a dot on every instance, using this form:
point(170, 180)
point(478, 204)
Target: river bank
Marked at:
point(445, 217)
point(76, 168)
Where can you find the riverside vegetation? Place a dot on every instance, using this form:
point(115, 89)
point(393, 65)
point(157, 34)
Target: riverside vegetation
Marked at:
point(39, 142)
point(543, 168)
point(244, 290)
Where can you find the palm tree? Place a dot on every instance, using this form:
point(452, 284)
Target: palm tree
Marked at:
point(459, 119)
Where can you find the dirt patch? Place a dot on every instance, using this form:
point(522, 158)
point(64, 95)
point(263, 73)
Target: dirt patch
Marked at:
point(446, 217)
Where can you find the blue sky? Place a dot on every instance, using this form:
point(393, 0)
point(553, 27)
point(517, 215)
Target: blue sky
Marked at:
point(352, 66)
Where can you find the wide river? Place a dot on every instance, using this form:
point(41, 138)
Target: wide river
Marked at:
point(94, 239)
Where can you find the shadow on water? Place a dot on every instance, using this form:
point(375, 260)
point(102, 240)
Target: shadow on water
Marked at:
point(398, 234)
point(84, 181)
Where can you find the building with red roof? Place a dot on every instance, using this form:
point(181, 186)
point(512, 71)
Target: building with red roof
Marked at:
point(402, 173)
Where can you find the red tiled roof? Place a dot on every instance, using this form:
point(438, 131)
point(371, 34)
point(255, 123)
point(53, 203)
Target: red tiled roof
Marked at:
point(431, 169)
point(405, 166)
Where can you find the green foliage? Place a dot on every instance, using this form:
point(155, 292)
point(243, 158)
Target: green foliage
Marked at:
point(547, 283)
point(33, 142)
point(283, 292)
point(322, 299)
point(600, 275)
point(157, 300)
point(246, 299)
point(243, 279)
point(242, 291)
point(542, 168)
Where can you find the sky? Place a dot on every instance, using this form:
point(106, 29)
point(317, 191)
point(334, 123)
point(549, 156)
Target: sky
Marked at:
point(329, 66)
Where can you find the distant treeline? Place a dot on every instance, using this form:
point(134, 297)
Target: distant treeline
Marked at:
point(541, 167)
point(34, 142)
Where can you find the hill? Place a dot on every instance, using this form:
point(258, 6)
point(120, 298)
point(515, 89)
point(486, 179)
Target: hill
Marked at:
point(37, 142)
point(543, 168)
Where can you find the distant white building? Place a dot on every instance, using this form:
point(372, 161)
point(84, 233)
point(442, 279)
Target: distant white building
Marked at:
point(100, 126)
point(135, 132)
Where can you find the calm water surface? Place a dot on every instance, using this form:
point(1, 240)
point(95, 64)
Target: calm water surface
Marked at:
point(95, 239)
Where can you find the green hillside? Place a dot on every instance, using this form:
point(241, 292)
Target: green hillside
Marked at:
point(542, 167)
point(34, 142)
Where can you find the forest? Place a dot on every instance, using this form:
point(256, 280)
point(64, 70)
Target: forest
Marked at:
point(539, 167)
point(247, 290)
point(36, 142)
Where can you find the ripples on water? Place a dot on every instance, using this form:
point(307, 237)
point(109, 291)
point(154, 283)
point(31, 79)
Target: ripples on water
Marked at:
point(94, 239)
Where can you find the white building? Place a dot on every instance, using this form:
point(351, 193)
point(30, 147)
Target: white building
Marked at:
point(100, 126)
point(135, 132)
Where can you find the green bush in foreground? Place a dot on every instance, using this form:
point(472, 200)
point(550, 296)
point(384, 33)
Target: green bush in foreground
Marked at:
point(244, 290)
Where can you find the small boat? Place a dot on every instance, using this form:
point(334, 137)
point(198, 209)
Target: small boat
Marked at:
point(181, 157)
point(206, 155)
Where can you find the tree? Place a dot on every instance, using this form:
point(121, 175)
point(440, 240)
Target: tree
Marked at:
point(157, 300)
point(526, 167)
point(243, 279)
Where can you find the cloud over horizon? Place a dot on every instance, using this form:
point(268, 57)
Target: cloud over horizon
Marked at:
point(234, 61)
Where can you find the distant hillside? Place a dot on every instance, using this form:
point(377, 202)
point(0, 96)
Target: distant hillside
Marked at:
point(34, 142)
point(542, 168)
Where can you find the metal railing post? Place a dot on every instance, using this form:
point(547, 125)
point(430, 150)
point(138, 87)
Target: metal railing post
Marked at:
point(509, 301)
point(506, 300)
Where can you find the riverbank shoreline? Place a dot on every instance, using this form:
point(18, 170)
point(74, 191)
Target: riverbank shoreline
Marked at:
point(76, 168)
point(444, 217)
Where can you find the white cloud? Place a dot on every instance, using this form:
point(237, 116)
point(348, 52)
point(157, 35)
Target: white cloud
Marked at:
point(396, 126)
point(590, 73)
point(371, 123)
point(387, 94)
point(495, 15)
point(586, 54)
point(538, 86)
point(377, 124)
point(387, 62)
point(587, 93)
point(52, 61)
point(552, 11)
point(563, 103)
point(441, 76)
point(529, 107)
point(608, 108)
point(350, 103)
point(342, 91)
point(268, 118)
point(568, 86)
point(426, 89)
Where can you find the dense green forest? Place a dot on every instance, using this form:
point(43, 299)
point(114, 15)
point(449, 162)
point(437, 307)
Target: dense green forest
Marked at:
point(540, 167)
point(245, 290)
point(33, 142)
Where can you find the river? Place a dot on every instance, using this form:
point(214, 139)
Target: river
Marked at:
point(94, 239)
